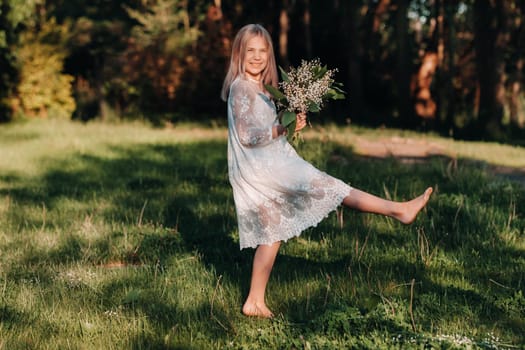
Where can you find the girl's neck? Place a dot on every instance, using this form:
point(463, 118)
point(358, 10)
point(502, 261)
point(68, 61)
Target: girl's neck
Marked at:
point(253, 79)
point(260, 86)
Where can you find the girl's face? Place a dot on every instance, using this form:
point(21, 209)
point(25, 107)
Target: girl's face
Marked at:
point(256, 57)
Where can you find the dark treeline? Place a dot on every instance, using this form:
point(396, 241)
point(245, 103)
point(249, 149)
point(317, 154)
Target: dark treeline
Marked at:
point(455, 67)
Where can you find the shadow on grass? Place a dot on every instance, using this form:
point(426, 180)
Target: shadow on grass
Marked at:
point(185, 189)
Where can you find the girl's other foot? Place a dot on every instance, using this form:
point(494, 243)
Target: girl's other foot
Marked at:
point(255, 309)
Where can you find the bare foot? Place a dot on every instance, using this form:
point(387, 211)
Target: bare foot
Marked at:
point(255, 309)
point(411, 208)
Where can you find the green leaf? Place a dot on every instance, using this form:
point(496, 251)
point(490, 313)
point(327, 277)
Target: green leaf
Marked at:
point(284, 76)
point(334, 94)
point(337, 87)
point(287, 118)
point(276, 93)
point(329, 94)
point(291, 129)
point(320, 72)
point(313, 107)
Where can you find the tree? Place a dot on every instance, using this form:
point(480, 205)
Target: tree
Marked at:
point(366, 33)
point(13, 16)
point(432, 84)
point(490, 40)
point(284, 28)
point(43, 90)
point(350, 23)
point(201, 82)
point(517, 66)
point(403, 71)
point(160, 50)
point(448, 67)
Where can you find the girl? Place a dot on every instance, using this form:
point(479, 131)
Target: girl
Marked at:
point(277, 194)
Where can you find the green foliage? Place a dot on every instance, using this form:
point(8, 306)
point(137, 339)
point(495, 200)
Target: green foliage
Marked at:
point(7, 83)
point(165, 25)
point(95, 51)
point(159, 53)
point(43, 89)
point(14, 15)
point(276, 93)
point(121, 236)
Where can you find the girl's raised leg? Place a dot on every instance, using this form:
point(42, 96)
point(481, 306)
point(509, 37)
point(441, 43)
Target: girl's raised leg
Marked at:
point(263, 261)
point(405, 212)
point(265, 255)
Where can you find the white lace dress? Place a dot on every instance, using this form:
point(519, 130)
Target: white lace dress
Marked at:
point(277, 193)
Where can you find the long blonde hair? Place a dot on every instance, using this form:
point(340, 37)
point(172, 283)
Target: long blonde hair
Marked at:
point(236, 68)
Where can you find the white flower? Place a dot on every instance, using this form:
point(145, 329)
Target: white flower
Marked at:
point(304, 88)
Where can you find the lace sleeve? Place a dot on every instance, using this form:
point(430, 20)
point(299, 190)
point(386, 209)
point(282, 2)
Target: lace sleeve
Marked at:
point(251, 125)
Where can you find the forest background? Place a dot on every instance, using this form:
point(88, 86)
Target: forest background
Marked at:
point(455, 67)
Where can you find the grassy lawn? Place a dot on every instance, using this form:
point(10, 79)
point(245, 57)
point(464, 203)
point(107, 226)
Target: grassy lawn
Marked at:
point(124, 237)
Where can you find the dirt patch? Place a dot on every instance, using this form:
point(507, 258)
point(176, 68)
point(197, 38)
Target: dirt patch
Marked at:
point(399, 147)
point(412, 150)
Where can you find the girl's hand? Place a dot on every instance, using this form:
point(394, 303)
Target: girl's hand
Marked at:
point(300, 121)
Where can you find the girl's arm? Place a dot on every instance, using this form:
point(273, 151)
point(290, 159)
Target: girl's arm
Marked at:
point(253, 129)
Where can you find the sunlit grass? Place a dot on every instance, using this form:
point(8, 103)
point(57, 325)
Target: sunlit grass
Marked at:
point(124, 237)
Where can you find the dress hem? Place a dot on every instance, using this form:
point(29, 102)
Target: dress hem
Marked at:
point(297, 232)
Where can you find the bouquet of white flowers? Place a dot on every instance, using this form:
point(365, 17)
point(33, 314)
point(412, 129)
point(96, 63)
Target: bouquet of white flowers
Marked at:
point(304, 89)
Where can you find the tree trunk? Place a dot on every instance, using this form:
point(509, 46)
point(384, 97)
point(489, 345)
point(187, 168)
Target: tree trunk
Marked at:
point(376, 81)
point(8, 68)
point(353, 51)
point(380, 10)
point(446, 49)
point(489, 42)
point(307, 29)
point(403, 66)
point(517, 120)
point(449, 107)
point(443, 71)
point(284, 27)
point(516, 106)
point(424, 104)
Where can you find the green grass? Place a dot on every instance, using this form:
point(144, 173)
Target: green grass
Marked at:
point(124, 237)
